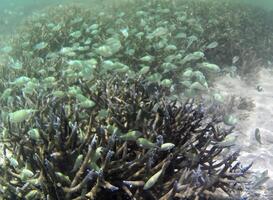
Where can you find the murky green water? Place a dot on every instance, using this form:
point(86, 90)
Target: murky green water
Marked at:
point(267, 4)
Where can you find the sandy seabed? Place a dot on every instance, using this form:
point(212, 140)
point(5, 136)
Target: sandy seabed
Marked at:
point(260, 116)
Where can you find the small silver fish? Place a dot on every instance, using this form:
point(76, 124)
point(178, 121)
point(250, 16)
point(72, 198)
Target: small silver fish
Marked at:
point(25, 174)
point(131, 136)
point(34, 134)
point(167, 146)
point(235, 59)
point(20, 115)
point(144, 143)
point(212, 45)
point(150, 183)
point(40, 46)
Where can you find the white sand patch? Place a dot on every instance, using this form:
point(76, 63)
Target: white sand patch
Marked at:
point(260, 117)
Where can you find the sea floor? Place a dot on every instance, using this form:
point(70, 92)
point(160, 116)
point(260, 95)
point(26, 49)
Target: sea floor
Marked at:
point(259, 116)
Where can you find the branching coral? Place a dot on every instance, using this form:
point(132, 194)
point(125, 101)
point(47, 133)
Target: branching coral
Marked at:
point(131, 145)
point(93, 127)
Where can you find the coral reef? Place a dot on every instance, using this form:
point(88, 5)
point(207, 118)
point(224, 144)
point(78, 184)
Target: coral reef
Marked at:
point(132, 144)
point(89, 107)
point(173, 43)
point(131, 40)
point(238, 28)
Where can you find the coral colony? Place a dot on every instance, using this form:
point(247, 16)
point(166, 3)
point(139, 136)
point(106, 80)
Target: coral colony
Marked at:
point(89, 108)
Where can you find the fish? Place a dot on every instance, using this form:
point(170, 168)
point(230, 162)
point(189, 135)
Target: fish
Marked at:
point(147, 58)
point(154, 77)
point(193, 57)
point(167, 146)
point(40, 46)
point(160, 31)
point(170, 48)
point(181, 36)
point(20, 115)
point(166, 82)
point(114, 44)
point(34, 134)
point(188, 73)
point(210, 67)
point(199, 77)
point(212, 45)
point(146, 144)
point(230, 120)
point(92, 28)
point(20, 81)
point(153, 179)
point(74, 90)
point(87, 104)
point(235, 59)
point(144, 70)
point(259, 88)
point(198, 86)
point(150, 183)
point(76, 34)
point(67, 51)
point(258, 135)
point(104, 51)
point(119, 67)
point(25, 174)
point(131, 136)
point(58, 93)
point(168, 67)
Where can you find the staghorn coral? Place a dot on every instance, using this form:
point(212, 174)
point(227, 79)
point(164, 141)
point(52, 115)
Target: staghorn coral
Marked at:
point(79, 121)
point(133, 144)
